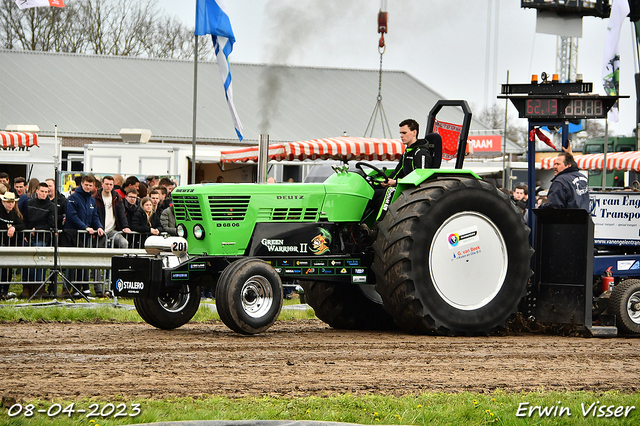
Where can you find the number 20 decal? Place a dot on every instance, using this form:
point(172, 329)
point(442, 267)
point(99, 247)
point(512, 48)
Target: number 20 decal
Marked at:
point(178, 246)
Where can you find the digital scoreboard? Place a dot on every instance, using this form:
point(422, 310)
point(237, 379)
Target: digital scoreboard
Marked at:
point(564, 108)
point(569, 109)
point(553, 101)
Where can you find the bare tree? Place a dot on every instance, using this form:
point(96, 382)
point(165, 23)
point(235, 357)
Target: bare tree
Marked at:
point(493, 117)
point(173, 40)
point(594, 129)
point(33, 29)
point(103, 27)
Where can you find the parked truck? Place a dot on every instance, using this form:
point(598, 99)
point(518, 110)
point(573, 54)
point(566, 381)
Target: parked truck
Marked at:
point(615, 178)
point(616, 215)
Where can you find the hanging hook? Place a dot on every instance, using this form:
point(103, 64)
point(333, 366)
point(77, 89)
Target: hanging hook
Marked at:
point(382, 28)
point(382, 22)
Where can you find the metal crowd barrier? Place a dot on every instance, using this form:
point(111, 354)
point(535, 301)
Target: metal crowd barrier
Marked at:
point(84, 259)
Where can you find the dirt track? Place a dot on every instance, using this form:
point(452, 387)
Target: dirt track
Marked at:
point(296, 359)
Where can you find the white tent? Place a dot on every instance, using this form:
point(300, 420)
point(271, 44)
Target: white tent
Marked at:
point(339, 148)
point(12, 140)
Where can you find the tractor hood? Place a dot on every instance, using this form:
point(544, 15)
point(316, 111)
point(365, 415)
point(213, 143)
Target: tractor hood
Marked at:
point(228, 213)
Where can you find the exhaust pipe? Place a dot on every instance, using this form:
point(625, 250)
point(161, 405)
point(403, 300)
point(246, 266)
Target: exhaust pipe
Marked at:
point(263, 158)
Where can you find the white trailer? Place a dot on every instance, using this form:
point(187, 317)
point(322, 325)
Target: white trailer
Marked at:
point(162, 159)
point(29, 162)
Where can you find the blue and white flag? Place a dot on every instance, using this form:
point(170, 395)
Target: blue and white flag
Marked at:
point(212, 18)
point(611, 62)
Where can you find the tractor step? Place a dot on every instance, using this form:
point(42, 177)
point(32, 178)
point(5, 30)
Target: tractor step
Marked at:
point(603, 331)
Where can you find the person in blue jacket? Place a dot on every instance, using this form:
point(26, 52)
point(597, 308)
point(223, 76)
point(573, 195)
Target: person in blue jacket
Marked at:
point(82, 215)
point(569, 188)
point(82, 212)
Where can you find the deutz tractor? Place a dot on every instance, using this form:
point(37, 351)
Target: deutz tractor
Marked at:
point(450, 256)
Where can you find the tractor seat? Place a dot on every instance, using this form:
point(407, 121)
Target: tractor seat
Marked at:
point(434, 143)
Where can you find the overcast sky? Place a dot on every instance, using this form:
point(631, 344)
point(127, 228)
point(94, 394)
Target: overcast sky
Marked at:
point(449, 45)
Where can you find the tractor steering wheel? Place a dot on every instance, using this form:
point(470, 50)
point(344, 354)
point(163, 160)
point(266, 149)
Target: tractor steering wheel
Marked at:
point(373, 180)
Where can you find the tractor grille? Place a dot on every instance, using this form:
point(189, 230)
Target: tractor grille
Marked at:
point(287, 214)
point(311, 214)
point(186, 207)
point(228, 207)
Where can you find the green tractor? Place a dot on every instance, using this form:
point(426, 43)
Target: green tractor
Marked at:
point(450, 256)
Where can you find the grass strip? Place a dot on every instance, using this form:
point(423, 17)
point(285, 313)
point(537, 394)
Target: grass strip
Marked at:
point(500, 408)
point(105, 311)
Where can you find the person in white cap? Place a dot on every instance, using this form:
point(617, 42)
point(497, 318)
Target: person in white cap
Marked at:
point(11, 225)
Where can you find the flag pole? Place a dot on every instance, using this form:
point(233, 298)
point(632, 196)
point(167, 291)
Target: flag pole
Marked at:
point(195, 108)
point(504, 139)
point(604, 154)
point(212, 18)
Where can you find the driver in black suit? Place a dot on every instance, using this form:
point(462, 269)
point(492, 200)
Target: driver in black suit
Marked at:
point(415, 156)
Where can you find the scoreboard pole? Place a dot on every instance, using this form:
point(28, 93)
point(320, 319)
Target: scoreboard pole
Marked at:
point(531, 166)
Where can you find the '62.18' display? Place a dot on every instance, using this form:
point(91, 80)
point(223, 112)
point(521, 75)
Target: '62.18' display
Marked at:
point(563, 108)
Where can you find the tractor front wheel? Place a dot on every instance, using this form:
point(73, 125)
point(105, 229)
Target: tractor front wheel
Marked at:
point(249, 296)
point(171, 309)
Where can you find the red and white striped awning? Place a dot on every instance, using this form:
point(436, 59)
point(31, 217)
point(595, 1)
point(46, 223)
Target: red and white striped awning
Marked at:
point(615, 161)
point(339, 148)
point(18, 140)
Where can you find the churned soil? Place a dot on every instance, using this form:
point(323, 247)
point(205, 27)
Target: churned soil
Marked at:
point(297, 358)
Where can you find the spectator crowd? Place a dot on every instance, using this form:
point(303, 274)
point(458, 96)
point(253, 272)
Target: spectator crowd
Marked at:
point(113, 212)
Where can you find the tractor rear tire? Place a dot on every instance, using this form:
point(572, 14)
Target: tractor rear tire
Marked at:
point(346, 306)
point(452, 257)
point(171, 309)
point(624, 303)
point(249, 296)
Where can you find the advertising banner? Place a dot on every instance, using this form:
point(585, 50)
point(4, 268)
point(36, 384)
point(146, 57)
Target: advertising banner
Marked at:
point(485, 143)
point(616, 216)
